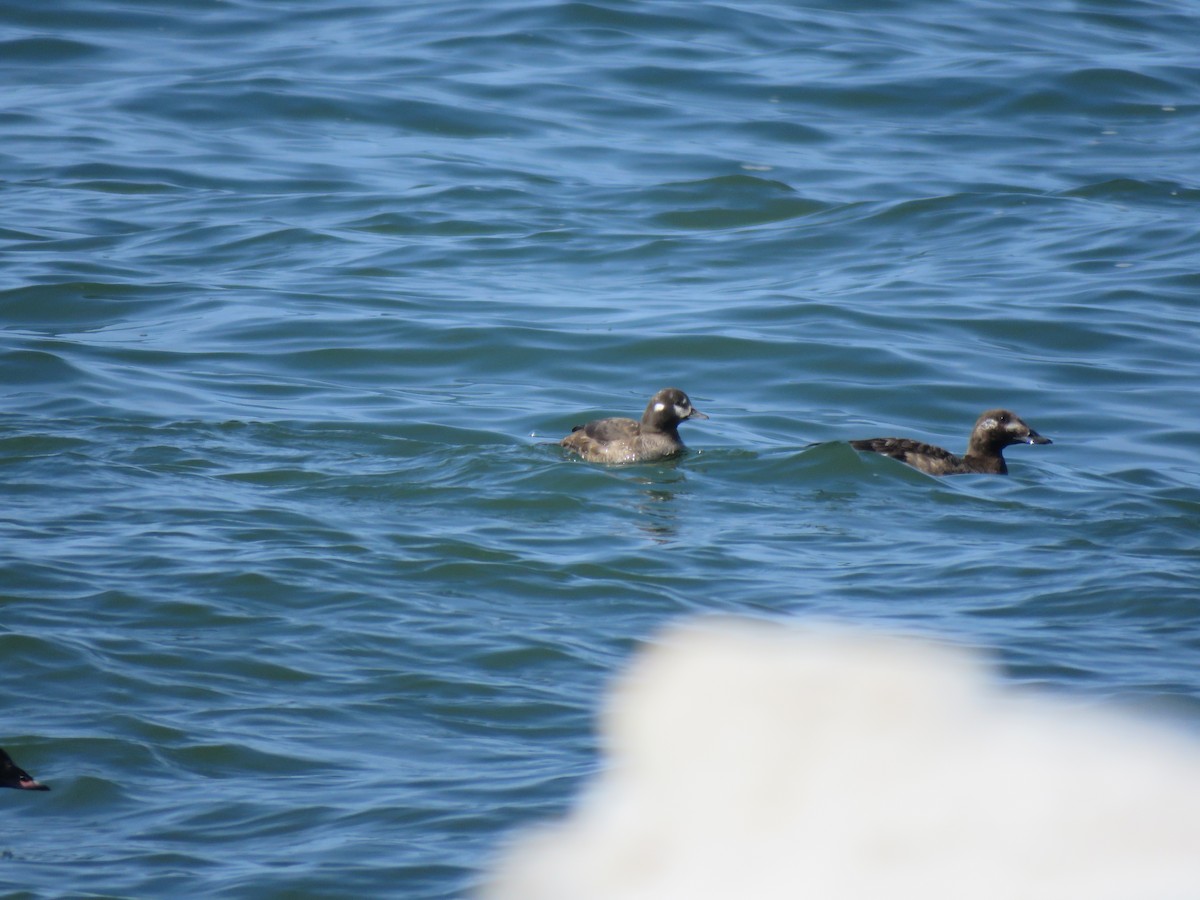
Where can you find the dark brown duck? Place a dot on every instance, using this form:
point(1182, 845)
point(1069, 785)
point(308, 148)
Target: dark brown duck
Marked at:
point(13, 776)
point(994, 430)
point(619, 440)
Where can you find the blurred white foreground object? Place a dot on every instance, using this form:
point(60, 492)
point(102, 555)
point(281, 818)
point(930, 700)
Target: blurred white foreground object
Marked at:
point(746, 760)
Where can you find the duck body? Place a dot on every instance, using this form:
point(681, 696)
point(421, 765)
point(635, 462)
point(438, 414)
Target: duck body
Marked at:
point(13, 776)
point(993, 431)
point(620, 441)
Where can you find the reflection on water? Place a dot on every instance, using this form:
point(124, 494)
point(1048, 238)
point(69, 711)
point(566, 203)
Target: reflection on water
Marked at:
point(657, 516)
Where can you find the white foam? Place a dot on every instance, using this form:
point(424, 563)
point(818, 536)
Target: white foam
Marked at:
point(757, 761)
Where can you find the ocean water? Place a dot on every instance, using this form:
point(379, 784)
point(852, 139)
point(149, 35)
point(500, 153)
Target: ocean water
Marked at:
point(298, 596)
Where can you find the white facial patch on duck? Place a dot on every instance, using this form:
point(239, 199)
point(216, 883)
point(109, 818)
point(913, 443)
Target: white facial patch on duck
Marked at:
point(660, 406)
point(683, 410)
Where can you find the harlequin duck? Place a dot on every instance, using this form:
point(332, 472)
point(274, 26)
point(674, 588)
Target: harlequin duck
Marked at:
point(619, 440)
point(13, 776)
point(995, 430)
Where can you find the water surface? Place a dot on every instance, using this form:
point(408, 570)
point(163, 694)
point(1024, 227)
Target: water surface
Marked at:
point(299, 598)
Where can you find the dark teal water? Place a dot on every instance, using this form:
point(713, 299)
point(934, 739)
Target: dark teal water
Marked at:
point(298, 599)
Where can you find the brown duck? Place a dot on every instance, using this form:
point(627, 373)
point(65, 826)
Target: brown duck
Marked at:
point(619, 440)
point(13, 776)
point(995, 430)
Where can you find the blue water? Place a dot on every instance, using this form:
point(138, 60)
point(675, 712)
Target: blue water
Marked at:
point(298, 596)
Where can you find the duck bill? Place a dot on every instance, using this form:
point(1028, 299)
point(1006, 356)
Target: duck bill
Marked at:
point(1034, 438)
point(28, 784)
point(696, 414)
